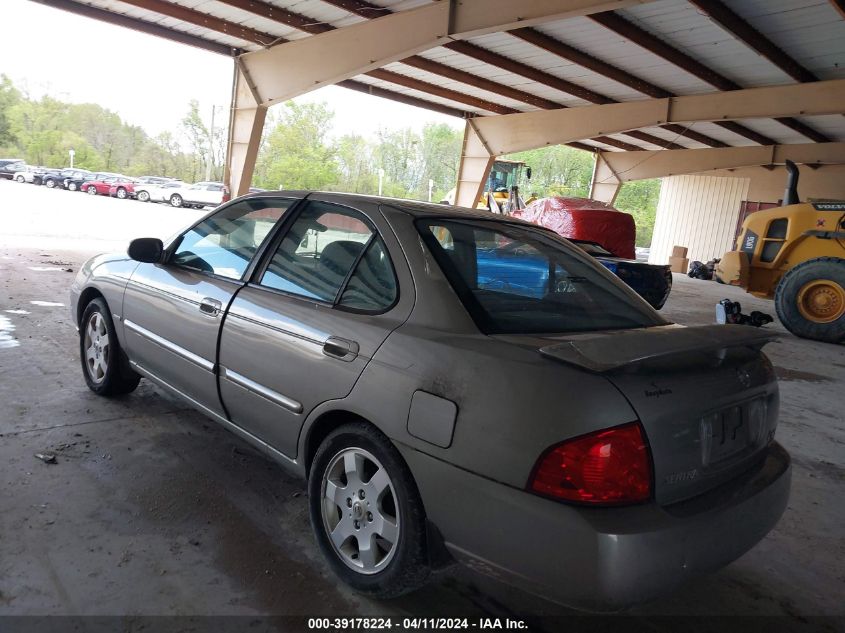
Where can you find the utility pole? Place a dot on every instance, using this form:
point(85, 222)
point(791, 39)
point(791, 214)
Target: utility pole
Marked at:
point(210, 162)
point(430, 187)
point(380, 180)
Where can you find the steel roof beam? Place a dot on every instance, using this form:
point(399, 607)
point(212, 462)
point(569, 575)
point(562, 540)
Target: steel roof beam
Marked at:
point(655, 45)
point(527, 130)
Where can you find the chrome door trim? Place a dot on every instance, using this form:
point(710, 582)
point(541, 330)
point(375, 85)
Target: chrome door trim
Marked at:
point(260, 390)
point(189, 356)
point(237, 430)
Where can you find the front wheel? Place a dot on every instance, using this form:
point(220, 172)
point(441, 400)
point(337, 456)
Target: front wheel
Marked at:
point(104, 364)
point(176, 200)
point(19, 178)
point(121, 193)
point(92, 191)
point(72, 186)
point(367, 514)
point(143, 196)
point(50, 184)
point(810, 300)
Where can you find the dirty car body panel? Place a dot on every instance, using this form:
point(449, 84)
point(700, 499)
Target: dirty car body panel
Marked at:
point(475, 367)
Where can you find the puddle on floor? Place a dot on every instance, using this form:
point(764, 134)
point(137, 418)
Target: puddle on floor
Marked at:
point(44, 269)
point(7, 340)
point(48, 304)
point(17, 311)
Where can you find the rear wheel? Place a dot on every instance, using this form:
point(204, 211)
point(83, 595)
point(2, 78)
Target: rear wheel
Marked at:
point(50, 183)
point(104, 365)
point(810, 300)
point(92, 190)
point(72, 186)
point(176, 200)
point(19, 178)
point(143, 196)
point(121, 193)
point(367, 514)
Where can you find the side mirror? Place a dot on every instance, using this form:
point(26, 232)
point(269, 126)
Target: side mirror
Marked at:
point(146, 249)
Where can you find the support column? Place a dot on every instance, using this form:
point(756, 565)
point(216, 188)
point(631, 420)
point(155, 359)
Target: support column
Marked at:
point(246, 123)
point(476, 161)
point(605, 184)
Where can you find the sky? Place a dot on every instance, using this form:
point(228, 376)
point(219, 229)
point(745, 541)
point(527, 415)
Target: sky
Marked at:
point(149, 81)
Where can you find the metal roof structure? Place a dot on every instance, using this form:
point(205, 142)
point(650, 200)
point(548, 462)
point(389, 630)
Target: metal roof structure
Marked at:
point(641, 50)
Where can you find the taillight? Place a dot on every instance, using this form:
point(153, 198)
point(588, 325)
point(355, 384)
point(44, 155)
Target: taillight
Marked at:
point(610, 467)
point(226, 195)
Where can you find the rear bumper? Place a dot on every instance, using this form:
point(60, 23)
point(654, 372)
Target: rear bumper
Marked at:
point(599, 558)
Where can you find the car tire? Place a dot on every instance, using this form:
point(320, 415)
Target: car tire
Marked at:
point(176, 200)
point(91, 191)
point(20, 179)
point(810, 300)
point(389, 508)
point(49, 183)
point(72, 186)
point(121, 193)
point(104, 364)
point(143, 196)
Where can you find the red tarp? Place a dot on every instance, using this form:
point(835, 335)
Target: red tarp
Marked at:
point(584, 219)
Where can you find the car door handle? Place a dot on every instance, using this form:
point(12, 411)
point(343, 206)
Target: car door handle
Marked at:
point(340, 348)
point(210, 306)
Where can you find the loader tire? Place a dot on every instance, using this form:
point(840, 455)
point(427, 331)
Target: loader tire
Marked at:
point(810, 300)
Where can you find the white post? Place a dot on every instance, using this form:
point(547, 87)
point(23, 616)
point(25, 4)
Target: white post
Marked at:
point(380, 180)
point(72, 154)
point(430, 187)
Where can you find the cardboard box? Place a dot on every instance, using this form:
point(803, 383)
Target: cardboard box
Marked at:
point(679, 251)
point(679, 264)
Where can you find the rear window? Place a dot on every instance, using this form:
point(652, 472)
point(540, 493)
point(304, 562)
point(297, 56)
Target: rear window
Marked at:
point(520, 280)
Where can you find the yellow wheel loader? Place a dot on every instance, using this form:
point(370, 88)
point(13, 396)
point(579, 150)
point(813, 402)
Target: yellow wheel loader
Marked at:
point(795, 254)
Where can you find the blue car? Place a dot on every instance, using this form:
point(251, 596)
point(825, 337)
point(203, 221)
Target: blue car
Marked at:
point(528, 276)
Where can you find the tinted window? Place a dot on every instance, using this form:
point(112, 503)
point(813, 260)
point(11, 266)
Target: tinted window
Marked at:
point(318, 252)
point(372, 287)
point(515, 279)
point(225, 243)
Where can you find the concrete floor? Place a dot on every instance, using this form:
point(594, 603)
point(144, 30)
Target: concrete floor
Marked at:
point(151, 509)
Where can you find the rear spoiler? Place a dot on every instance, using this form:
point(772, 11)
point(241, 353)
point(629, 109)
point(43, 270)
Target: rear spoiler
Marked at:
point(613, 350)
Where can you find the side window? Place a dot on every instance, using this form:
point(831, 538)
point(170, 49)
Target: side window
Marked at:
point(215, 187)
point(372, 287)
point(318, 252)
point(225, 243)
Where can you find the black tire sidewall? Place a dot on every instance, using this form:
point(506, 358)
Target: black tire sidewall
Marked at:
point(786, 304)
point(408, 568)
point(115, 380)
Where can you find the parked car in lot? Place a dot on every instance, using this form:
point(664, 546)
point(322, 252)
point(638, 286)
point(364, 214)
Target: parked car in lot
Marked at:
point(9, 166)
point(198, 195)
point(122, 188)
point(139, 187)
point(100, 184)
point(28, 174)
point(441, 402)
point(74, 178)
point(157, 192)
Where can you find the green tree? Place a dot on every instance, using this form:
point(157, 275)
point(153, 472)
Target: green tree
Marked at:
point(639, 198)
point(440, 148)
point(9, 97)
point(557, 171)
point(297, 153)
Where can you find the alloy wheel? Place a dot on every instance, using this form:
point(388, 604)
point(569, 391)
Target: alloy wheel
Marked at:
point(97, 347)
point(360, 510)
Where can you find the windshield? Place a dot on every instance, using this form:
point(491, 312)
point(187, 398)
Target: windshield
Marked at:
point(520, 280)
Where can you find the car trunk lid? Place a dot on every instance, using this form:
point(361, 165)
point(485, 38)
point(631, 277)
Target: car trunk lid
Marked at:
point(705, 396)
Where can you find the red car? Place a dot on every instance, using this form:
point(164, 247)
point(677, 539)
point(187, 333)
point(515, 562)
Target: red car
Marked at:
point(122, 189)
point(101, 184)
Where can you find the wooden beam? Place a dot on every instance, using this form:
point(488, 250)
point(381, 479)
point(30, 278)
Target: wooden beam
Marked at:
point(839, 5)
point(377, 91)
point(751, 37)
point(141, 26)
point(445, 93)
point(280, 15)
point(655, 45)
point(607, 140)
point(191, 16)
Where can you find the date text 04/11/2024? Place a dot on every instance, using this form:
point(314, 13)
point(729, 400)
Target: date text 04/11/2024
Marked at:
point(409, 624)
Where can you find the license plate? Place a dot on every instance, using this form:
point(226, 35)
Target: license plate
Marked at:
point(726, 433)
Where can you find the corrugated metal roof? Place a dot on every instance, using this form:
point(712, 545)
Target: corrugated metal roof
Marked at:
point(811, 32)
